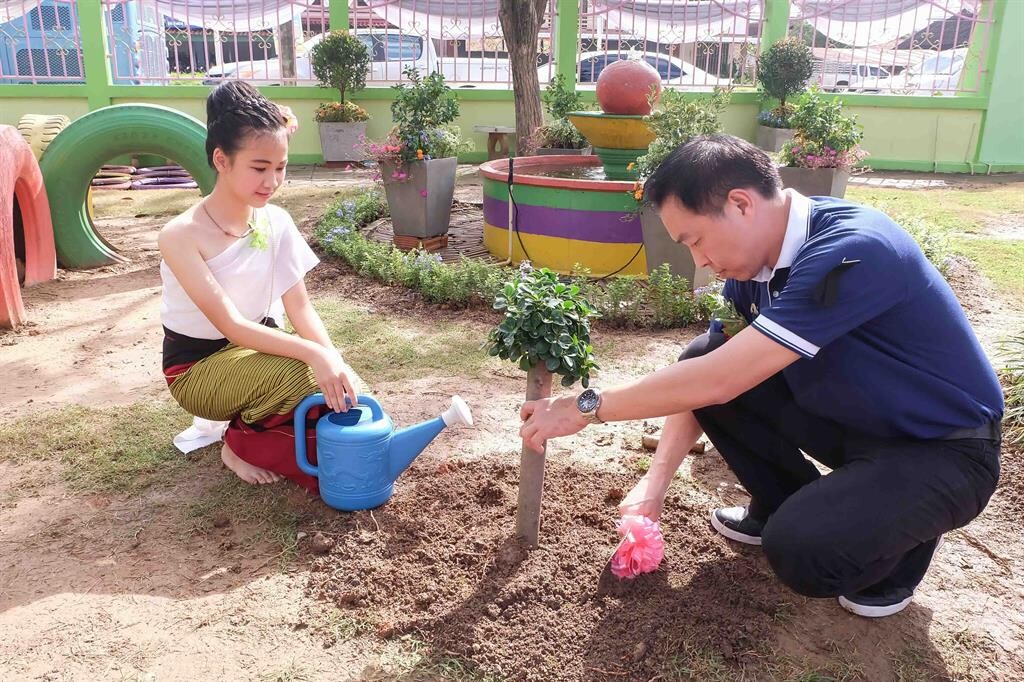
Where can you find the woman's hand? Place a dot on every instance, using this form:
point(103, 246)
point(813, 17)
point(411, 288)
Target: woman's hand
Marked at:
point(645, 499)
point(329, 372)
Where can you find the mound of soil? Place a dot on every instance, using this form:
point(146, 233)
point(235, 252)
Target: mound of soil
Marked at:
point(439, 561)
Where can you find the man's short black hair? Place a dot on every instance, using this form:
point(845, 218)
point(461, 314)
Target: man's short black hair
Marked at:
point(702, 172)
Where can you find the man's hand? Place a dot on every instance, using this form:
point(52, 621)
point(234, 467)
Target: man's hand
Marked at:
point(549, 418)
point(645, 499)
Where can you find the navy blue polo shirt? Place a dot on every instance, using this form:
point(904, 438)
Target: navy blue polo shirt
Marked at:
point(886, 348)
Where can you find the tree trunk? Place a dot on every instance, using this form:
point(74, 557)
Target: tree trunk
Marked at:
point(531, 466)
point(286, 52)
point(520, 26)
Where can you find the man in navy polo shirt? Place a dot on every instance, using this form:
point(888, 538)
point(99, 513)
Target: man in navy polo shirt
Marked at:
point(857, 354)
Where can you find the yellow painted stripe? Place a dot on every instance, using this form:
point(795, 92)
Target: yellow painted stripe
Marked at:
point(561, 254)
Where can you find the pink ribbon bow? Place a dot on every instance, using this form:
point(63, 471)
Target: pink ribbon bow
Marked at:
point(642, 547)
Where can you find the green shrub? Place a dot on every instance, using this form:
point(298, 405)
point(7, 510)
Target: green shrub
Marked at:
point(663, 300)
point(783, 70)
point(546, 322)
point(341, 61)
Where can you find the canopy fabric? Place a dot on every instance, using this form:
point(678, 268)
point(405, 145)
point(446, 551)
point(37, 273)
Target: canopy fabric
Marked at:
point(678, 21)
point(442, 19)
point(863, 23)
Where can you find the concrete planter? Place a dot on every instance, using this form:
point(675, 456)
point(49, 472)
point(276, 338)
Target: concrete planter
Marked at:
point(560, 151)
point(660, 248)
point(342, 142)
point(772, 139)
point(421, 205)
point(815, 182)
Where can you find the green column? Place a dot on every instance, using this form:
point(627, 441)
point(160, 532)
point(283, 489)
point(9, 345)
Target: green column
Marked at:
point(94, 53)
point(339, 14)
point(776, 22)
point(567, 27)
point(1001, 143)
point(984, 42)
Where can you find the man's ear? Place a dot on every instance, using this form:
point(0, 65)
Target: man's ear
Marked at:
point(741, 199)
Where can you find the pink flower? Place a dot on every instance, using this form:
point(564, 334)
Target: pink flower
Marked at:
point(423, 192)
point(642, 547)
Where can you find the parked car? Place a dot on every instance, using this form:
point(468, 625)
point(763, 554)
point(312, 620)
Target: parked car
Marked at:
point(41, 44)
point(391, 53)
point(939, 73)
point(847, 76)
point(673, 71)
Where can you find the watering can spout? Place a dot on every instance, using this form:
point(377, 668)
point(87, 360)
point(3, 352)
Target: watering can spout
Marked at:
point(408, 443)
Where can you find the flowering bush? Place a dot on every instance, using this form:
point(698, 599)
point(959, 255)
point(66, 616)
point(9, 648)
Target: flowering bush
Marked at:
point(423, 112)
point(777, 117)
point(825, 137)
point(340, 112)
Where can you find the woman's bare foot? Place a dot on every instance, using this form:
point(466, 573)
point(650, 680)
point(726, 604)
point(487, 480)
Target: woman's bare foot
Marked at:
point(245, 471)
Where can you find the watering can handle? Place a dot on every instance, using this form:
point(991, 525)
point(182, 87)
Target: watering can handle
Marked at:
point(300, 432)
point(300, 425)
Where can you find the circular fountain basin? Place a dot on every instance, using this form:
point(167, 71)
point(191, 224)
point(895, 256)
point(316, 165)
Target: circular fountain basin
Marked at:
point(565, 215)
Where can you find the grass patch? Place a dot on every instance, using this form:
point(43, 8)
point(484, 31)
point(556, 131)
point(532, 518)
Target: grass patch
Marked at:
point(698, 663)
point(111, 450)
point(269, 507)
point(951, 210)
point(388, 349)
point(1001, 260)
point(412, 660)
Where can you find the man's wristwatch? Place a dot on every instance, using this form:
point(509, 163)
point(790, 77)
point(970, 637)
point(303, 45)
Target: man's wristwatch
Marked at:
point(588, 402)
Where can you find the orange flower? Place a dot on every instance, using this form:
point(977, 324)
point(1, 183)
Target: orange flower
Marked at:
point(419, 154)
point(630, 166)
point(638, 194)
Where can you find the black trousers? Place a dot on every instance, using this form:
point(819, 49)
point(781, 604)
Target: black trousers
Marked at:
point(872, 523)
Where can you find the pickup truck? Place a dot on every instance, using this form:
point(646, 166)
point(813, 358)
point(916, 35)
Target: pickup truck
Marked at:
point(846, 76)
point(391, 53)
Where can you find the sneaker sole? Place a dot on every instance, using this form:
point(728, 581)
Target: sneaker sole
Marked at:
point(874, 611)
point(734, 535)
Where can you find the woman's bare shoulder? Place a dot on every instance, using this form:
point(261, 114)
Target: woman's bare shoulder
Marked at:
point(179, 229)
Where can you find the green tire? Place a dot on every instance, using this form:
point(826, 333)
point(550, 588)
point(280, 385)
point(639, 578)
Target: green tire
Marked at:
point(76, 154)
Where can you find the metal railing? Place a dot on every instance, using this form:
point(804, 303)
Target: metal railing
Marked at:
point(39, 43)
point(915, 47)
point(693, 44)
point(920, 47)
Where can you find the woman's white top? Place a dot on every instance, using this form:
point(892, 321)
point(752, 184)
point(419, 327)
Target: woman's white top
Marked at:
point(254, 279)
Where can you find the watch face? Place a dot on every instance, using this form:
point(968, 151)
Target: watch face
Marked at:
point(587, 401)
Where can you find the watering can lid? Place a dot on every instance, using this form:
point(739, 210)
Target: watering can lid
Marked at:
point(355, 426)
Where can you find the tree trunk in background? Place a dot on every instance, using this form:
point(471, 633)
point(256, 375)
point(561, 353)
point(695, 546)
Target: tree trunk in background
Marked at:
point(286, 52)
point(520, 26)
point(531, 466)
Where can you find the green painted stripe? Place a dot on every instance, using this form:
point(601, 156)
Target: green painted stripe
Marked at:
point(562, 198)
point(922, 166)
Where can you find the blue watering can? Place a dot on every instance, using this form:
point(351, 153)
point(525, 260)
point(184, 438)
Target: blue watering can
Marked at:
point(359, 453)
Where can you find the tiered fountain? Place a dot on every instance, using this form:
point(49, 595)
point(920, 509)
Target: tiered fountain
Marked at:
point(581, 210)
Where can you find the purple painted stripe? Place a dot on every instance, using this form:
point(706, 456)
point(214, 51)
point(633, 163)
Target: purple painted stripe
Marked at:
point(612, 227)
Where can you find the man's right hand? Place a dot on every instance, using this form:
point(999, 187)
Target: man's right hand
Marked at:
point(329, 372)
point(645, 499)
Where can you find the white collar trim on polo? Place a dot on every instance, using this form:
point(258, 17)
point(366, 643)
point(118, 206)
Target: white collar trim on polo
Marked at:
point(798, 229)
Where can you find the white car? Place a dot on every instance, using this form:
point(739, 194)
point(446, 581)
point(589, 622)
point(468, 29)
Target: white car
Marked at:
point(673, 71)
point(940, 73)
point(391, 53)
